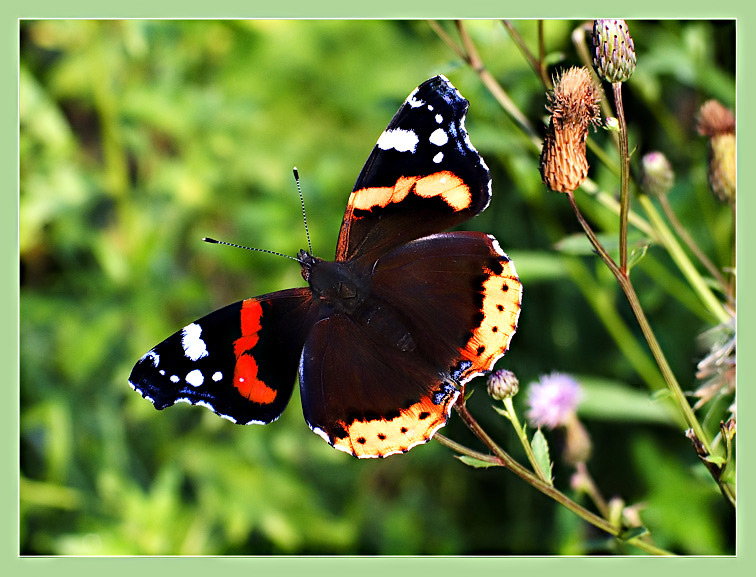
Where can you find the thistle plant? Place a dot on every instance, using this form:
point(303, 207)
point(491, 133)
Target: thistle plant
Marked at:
point(552, 401)
point(574, 107)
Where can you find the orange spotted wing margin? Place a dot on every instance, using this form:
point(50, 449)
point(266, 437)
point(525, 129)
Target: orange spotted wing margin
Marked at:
point(240, 361)
point(422, 177)
point(442, 310)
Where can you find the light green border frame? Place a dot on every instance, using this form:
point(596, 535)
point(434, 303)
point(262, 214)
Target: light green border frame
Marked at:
point(369, 567)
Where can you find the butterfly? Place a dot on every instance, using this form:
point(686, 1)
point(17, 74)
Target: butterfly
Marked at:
point(383, 337)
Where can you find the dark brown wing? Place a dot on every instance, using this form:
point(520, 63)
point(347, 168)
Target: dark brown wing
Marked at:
point(442, 310)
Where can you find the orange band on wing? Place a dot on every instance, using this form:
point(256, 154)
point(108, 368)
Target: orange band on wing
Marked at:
point(502, 295)
point(445, 184)
point(381, 437)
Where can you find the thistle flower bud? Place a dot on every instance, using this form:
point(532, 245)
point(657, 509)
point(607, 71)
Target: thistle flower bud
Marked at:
point(657, 175)
point(613, 50)
point(574, 107)
point(577, 446)
point(503, 384)
point(718, 123)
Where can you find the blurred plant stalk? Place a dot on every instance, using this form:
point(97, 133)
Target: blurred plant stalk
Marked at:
point(617, 65)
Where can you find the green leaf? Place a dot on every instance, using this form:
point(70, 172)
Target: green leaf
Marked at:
point(476, 463)
point(534, 265)
point(632, 533)
point(578, 244)
point(637, 254)
point(716, 460)
point(614, 401)
point(541, 452)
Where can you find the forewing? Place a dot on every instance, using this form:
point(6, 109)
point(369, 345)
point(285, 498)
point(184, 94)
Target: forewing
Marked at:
point(240, 361)
point(422, 177)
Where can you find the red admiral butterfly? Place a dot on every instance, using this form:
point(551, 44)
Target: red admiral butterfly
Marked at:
point(383, 337)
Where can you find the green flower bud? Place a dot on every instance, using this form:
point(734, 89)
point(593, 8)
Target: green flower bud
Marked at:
point(657, 174)
point(502, 384)
point(613, 50)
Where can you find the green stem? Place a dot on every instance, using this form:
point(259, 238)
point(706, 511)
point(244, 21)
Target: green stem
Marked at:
point(632, 298)
point(691, 243)
point(509, 463)
point(683, 262)
point(535, 64)
point(625, 175)
point(511, 414)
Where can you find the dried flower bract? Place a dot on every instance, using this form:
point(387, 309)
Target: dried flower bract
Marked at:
point(718, 123)
point(574, 107)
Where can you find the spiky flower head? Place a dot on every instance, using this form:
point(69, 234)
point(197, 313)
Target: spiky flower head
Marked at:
point(716, 371)
point(718, 123)
point(553, 400)
point(657, 174)
point(613, 50)
point(574, 107)
point(503, 384)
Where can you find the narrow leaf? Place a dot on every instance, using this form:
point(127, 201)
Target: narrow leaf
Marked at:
point(541, 452)
point(476, 463)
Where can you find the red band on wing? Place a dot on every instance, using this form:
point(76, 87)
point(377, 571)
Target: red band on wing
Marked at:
point(247, 383)
point(245, 371)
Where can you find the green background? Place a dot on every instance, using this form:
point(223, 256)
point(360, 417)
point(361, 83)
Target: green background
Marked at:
point(145, 136)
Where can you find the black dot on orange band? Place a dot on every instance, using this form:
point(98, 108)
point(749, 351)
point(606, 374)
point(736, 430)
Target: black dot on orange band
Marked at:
point(381, 436)
point(362, 440)
point(495, 329)
point(404, 429)
point(479, 351)
point(500, 307)
point(423, 415)
point(505, 287)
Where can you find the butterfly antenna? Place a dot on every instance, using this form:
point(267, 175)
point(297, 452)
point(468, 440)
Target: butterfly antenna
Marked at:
point(213, 241)
point(304, 213)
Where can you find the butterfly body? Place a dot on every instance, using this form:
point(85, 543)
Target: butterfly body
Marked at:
point(383, 336)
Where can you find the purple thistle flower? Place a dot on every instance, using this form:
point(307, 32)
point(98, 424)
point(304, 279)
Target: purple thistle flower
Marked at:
point(553, 400)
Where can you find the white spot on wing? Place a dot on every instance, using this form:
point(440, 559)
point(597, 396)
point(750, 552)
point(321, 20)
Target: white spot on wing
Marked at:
point(439, 157)
point(175, 379)
point(217, 376)
point(399, 139)
point(320, 432)
point(194, 346)
point(414, 102)
point(195, 378)
point(439, 137)
point(439, 118)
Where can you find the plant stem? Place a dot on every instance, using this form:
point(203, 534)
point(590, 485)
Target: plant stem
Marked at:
point(625, 175)
point(535, 64)
point(509, 463)
point(592, 490)
point(512, 416)
point(683, 262)
point(691, 243)
point(470, 55)
point(632, 298)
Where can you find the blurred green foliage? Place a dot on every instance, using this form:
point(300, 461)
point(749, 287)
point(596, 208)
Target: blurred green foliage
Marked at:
point(140, 137)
